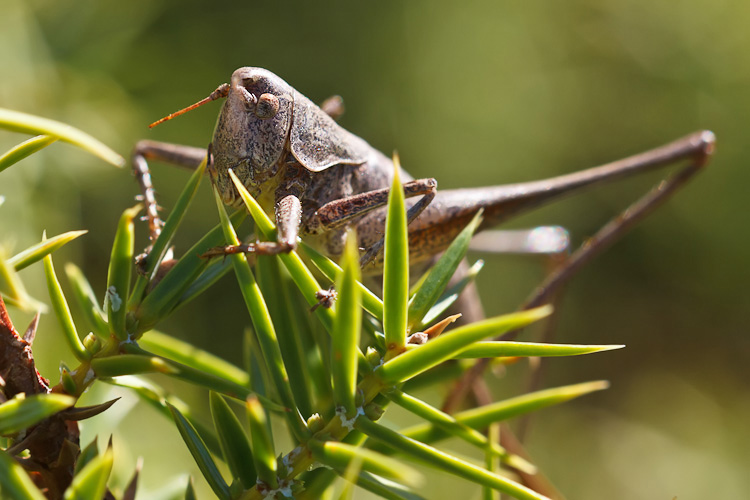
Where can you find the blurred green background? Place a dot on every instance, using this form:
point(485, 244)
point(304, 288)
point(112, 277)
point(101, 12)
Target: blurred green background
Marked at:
point(473, 93)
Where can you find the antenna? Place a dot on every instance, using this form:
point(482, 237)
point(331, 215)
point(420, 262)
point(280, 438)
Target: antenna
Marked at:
point(220, 92)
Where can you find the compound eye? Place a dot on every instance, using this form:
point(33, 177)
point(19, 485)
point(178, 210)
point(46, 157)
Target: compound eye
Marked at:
point(267, 107)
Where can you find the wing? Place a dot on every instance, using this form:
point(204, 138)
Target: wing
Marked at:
point(318, 142)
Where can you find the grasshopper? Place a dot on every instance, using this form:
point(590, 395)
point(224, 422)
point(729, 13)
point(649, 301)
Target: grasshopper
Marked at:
point(318, 179)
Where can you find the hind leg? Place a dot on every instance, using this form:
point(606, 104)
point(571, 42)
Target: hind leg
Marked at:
point(606, 236)
point(451, 210)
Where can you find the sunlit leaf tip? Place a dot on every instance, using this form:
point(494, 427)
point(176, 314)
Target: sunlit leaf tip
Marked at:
point(120, 271)
point(62, 311)
point(36, 125)
point(346, 327)
point(37, 252)
point(440, 274)
point(91, 481)
point(395, 265)
point(24, 150)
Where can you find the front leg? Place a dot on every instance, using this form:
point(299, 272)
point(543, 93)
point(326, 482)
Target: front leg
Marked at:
point(288, 216)
point(184, 156)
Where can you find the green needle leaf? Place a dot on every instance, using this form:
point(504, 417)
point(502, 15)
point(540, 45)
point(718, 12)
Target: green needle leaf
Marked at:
point(457, 429)
point(275, 287)
point(87, 300)
point(262, 222)
point(35, 125)
point(340, 455)
point(299, 272)
point(428, 293)
point(234, 443)
point(264, 455)
point(190, 490)
point(523, 349)
point(384, 488)
point(90, 452)
point(175, 218)
point(346, 329)
point(21, 413)
point(491, 462)
point(120, 268)
point(441, 460)
point(213, 272)
point(396, 266)
point(62, 311)
point(330, 269)
point(26, 148)
point(91, 482)
point(424, 357)
point(483, 416)
point(175, 349)
point(37, 252)
point(15, 483)
point(130, 364)
point(263, 325)
point(201, 455)
point(157, 398)
point(12, 289)
point(162, 299)
point(140, 359)
point(450, 296)
point(67, 381)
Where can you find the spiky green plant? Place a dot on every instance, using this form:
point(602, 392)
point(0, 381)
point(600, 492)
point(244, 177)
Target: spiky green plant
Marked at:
point(330, 390)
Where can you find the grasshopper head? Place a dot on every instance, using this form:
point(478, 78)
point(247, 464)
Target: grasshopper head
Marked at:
point(251, 131)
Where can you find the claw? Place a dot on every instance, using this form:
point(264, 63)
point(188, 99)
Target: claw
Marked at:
point(226, 250)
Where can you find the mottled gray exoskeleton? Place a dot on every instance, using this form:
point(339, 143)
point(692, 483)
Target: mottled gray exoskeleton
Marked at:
point(317, 178)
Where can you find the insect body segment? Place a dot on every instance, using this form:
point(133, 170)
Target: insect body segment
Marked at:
point(281, 145)
point(318, 179)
